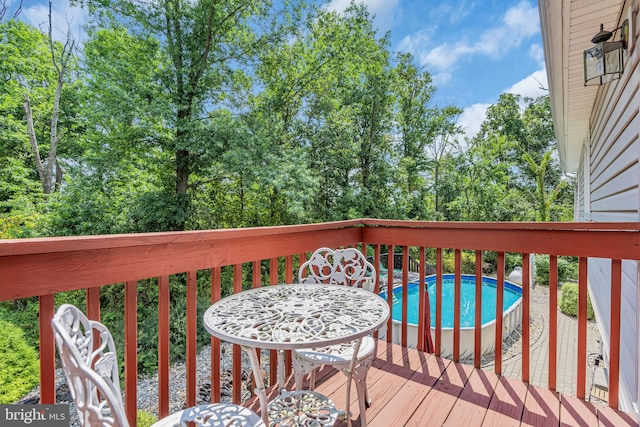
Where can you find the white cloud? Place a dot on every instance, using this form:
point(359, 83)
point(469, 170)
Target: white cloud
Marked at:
point(338, 5)
point(63, 17)
point(472, 116)
point(374, 6)
point(517, 24)
point(531, 86)
point(537, 53)
point(471, 119)
point(413, 42)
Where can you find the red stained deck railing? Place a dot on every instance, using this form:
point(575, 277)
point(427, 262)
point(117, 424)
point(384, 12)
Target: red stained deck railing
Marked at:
point(44, 267)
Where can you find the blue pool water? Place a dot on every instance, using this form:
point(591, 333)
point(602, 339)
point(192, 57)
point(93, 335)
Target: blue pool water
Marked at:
point(512, 293)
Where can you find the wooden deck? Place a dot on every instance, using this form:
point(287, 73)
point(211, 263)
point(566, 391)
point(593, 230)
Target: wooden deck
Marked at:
point(411, 388)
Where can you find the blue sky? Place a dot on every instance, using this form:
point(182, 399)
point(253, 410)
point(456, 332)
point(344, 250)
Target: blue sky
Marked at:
point(474, 49)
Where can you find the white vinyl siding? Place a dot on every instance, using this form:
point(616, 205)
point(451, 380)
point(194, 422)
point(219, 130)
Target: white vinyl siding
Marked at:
point(611, 163)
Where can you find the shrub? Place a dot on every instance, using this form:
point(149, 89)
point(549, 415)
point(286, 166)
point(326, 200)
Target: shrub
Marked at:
point(468, 262)
point(569, 301)
point(145, 419)
point(567, 269)
point(18, 363)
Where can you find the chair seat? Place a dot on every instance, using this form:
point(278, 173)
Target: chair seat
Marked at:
point(302, 408)
point(338, 354)
point(213, 415)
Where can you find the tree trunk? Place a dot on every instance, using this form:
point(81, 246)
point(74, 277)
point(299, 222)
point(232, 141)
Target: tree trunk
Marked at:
point(44, 179)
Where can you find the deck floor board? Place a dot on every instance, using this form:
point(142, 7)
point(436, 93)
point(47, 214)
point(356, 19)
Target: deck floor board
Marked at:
point(411, 388)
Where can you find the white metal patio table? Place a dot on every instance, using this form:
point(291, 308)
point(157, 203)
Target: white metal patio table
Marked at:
point(294, 316)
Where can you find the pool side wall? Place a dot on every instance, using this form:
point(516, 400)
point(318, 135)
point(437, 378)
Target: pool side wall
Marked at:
point(511, 319)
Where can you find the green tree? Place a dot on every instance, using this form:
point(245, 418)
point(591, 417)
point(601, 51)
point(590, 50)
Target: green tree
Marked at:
point(199, 42)
point(513, 161)
point(36, 117)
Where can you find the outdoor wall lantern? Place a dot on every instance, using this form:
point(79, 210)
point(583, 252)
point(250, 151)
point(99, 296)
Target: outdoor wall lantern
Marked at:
point(605, 61)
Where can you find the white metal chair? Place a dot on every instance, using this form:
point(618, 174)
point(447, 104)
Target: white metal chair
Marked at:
point(347, 267)
point(94, 382)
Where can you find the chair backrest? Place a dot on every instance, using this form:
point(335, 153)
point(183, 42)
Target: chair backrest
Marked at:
point(338, 267)
point(91, 370)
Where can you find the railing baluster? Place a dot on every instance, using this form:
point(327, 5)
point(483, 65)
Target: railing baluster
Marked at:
point(288, 272)
point(376, 263)
point(92, 296)
point(163, 346)
point(273, 354)
point(93, 303)
point(457, 298)
point(390, 262)
point(582, 328)
point(236, 374)
point(288, 269)
point(192, 318)
point(438, 344)
point(256, 275)
point(131, 350)
point(216, 290)
point(256, 282)
point(47, 351)
point(302, 258)
point(614, 334)
point(477, 352)
point(422, 315)
point(405, 294)
point(499, 313)
point(553, 321)
point(526, 306)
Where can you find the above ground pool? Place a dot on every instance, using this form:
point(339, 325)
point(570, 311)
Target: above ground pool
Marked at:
point(512, 313)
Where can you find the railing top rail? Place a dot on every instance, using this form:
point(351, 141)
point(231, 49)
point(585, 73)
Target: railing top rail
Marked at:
point(31, 267)
point(76, 243)
point(561, 226)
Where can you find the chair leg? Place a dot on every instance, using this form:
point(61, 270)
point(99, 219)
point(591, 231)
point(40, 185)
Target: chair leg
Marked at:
point(302, 367)
point(360, 377)
point(312, 380)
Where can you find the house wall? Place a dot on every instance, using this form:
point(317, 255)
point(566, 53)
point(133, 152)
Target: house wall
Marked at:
point(608, 185)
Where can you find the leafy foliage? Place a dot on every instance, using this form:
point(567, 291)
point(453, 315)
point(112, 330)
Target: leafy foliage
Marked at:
point(145, 419)
point(567, 269)
point(569, 301)
point(18, 364)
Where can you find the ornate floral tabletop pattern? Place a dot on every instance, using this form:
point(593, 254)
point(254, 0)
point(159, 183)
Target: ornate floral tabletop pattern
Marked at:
point(296, 316)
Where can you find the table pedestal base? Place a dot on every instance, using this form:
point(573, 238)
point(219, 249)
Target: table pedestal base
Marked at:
point(302, 408)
